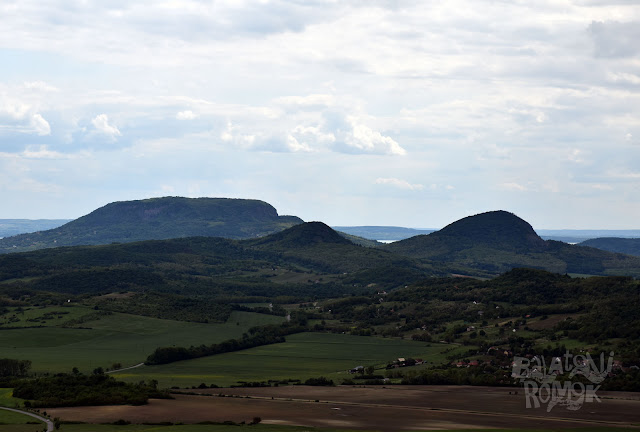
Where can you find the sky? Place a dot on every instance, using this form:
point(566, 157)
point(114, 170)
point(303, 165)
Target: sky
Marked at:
point(351, 112)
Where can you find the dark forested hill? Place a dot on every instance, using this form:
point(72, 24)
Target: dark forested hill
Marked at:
point(498, 230)
point(317, 244)
point(309, 259)
point(495, 242)
point(301, 236)
point(157, 219)
point(615, 244)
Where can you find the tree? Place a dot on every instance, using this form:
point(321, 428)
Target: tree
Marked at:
point(15, 368)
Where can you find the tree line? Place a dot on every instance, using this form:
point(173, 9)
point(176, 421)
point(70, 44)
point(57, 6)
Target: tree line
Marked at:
point(76, 389)
point(14, 368)
point(258, 336)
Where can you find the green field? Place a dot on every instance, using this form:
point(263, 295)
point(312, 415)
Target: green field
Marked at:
point(10, 417)
point(302, 356)
point(16, 422)
point(7, 399)
point(117, 338)
point(41, 316)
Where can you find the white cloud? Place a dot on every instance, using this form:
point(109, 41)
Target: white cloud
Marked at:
point(101, 123)
point(576, 155)
point(513, 186)
point(549, 95)
point(313, 101)
point(41, 86)
point(313, 137)
point(295, 146)
point(186, 115)
point(363, 139)
point(322, 131)
point(399, 183)
point(232, 136)
point(603, 187)
point(43, 152)
point(624, 78)
point(22, 117)
point(40, 125)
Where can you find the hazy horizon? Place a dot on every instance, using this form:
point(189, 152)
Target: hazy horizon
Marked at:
point(540, 231)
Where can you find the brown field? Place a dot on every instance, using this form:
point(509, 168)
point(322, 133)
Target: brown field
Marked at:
point(375, 408)
point(550, 322)
point(115, 295)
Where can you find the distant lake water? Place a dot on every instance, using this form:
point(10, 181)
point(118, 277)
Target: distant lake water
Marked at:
point(391, 241)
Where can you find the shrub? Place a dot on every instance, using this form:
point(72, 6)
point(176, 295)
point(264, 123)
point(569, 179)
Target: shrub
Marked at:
point(320, 381)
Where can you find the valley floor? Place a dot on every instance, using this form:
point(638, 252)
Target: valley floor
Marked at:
point(372, 408)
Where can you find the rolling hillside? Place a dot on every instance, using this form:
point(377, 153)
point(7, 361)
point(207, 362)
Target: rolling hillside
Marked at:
point(158, 219)
point(318, 245)
point(630, 246)
point(305, 260)
point(495, 242)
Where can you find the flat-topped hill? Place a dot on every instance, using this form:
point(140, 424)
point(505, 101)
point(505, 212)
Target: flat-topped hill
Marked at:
point(159, 219)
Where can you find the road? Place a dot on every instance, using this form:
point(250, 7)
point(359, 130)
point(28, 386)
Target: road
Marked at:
point(124, 369)
point(48, 422)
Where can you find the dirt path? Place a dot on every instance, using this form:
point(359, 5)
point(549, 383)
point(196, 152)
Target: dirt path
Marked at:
point(124, 369)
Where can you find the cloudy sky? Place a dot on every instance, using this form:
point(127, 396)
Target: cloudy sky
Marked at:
point(359, 112)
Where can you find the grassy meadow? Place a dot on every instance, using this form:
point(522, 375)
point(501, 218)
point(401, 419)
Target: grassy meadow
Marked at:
point(41, 316)
point(116, 338)
point(7, 399)
point(302, 356)
point(16, 422)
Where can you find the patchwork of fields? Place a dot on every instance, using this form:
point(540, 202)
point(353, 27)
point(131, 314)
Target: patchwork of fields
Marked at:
point(116, 338)
point(302, 356)
point(375, 408)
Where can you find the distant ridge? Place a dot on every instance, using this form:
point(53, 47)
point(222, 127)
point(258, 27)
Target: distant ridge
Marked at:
point(497, 241)
point(629, 246)
point(159, 219)
point(12, 227)
point(395, 233)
